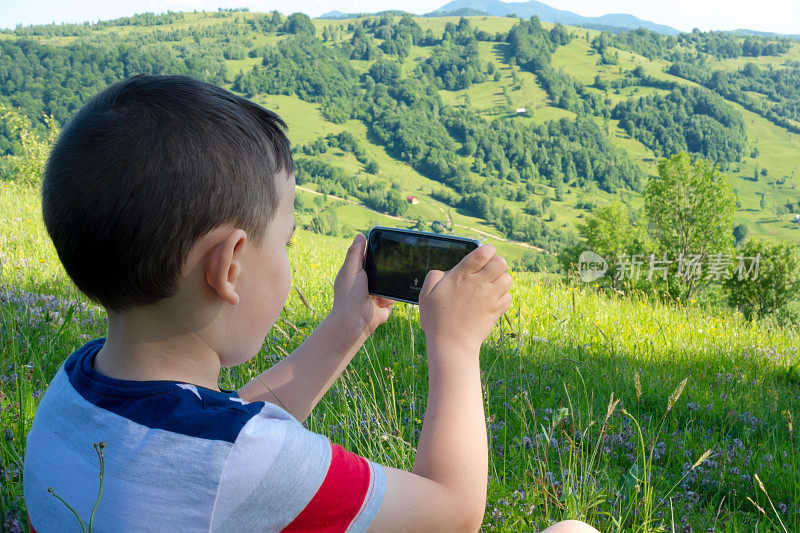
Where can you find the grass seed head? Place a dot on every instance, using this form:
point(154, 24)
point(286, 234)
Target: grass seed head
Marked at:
point(760, 484)
point(676, 394)
point(757, 506)
point(612, 405)
point(702, 459)
point(637, 381)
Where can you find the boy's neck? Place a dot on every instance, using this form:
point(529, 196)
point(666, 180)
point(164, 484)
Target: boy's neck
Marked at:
point(188, 360)
point(154, 363)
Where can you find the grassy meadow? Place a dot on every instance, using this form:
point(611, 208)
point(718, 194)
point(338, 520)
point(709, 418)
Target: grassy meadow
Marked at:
point(628, 413)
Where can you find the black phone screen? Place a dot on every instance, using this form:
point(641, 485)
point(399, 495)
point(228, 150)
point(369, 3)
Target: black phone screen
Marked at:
point(397, 261)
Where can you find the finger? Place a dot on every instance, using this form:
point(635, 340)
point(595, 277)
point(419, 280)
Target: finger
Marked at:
point(503, 283)
point(363, 254)
point(494, 268)
point(354, 260)
point(476, 259)
point(380, 301)
point(383, 314)
point(505, 302)
point(432, 278)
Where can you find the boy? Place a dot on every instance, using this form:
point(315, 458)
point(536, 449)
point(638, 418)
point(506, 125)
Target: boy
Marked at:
point(169, 202)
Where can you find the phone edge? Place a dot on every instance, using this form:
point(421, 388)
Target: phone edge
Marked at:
point(413, 232)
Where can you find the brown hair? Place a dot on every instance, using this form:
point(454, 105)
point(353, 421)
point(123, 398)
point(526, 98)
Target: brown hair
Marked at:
point(147, 167)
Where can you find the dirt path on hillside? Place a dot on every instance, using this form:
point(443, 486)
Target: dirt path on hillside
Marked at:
point(450, 222)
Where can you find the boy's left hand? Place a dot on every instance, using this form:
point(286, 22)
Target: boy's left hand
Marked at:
point(354, 308)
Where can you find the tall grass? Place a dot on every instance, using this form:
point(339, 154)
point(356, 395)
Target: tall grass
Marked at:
point(630, 414)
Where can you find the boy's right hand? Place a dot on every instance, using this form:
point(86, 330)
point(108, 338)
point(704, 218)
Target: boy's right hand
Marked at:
point(447, 489)
point(461, 306)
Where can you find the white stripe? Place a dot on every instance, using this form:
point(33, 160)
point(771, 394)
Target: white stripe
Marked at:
point(258, 444)
point(372, 500)
point(153, 477)
point(189, 386)
point(367, 495)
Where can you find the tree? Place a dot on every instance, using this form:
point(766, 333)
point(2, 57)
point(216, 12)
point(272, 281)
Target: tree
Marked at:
point(532, 207)
point(420, 222)
point(326, 224)
point(27, 165)
point(599, 83)
point(298, 23)
point(560, 35)
point(372, 166)
point(385, 71)
point(438, 227)
point(690, 210)
point(559, 191)
point(610, 234)
point(740, 233)
point(776, 283)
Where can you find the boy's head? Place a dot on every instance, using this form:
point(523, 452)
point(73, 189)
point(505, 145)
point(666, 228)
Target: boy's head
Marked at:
point(154, 167)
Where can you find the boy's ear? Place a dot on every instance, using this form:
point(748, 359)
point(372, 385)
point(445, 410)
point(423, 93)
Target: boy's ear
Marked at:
point(224, 266)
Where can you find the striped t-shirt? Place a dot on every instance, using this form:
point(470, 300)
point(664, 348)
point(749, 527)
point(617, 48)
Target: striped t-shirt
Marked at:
point(181, 457)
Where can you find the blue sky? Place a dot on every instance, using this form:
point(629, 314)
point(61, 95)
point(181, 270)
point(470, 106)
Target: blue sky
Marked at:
point(782, 16)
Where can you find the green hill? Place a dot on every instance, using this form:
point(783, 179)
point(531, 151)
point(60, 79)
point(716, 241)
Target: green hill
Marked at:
point(446, 123)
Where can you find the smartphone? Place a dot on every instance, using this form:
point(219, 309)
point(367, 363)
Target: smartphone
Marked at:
point(397, 260)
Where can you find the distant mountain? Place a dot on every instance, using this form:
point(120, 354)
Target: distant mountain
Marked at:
point(605, 27)
point(337, 15)
point(550, 14)
point(745, 33)
point(461, 12)
point(615, 22)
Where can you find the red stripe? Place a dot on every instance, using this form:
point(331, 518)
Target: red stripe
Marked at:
point(30, 526)
point(340, 496)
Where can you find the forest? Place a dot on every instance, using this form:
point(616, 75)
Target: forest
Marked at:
point(714, 43)
point(687, 119)
point(781, 89)
point(489, 166)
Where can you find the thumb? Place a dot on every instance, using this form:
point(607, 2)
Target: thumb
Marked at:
point(432, 278)
point(354, 260)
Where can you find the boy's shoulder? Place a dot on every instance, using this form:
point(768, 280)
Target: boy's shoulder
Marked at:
point(180, 408)
point(171, 446)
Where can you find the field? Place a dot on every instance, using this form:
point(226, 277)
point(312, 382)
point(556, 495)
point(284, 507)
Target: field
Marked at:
point(705, 408)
